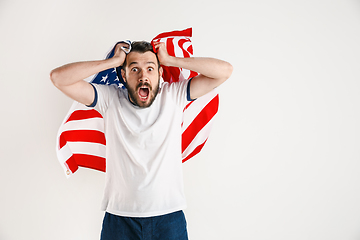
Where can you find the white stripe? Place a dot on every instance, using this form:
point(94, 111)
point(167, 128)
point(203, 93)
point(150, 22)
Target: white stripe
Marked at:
point(186, 45)
point(88, 148)
point(177, 50)
point(63, 155)
point(185, 73)
point(86, 124)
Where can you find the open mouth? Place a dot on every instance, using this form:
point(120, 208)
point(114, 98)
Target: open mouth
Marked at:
point(143, 93)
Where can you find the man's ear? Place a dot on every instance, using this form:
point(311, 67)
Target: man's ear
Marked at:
point(161, 71)
point(123, 75)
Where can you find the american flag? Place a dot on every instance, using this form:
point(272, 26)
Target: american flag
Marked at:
point(81, 140)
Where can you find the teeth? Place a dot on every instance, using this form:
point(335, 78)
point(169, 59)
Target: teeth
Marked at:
point(144, 88)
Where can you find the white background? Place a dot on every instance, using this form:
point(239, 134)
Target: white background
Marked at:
point(282, 161)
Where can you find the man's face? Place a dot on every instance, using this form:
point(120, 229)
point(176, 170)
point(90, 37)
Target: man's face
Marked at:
point(142, 77)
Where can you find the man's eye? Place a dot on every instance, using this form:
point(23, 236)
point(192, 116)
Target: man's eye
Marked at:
point(150, 69)
point(134, 69)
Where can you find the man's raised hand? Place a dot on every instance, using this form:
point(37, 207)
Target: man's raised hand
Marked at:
point(164, 58)
point(119, 53)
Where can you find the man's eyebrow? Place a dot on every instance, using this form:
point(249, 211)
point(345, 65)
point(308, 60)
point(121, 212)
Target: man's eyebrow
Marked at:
point(146, 62)
point(132, 63)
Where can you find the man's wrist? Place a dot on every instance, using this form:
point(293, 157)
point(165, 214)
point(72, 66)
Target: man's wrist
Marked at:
point(172, 61)
point(113, 62)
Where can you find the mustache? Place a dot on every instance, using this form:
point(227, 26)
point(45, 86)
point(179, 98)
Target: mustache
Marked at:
point(145, 84)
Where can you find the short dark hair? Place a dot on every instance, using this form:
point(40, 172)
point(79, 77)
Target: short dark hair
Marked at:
point(142, 47)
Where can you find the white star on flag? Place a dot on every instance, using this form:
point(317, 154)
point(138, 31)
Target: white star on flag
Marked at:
point(104, 78)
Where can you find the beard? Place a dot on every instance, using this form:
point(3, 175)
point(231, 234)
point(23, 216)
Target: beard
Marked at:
point(134, 94)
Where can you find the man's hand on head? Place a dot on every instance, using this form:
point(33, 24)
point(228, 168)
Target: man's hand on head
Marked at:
point(119, 53)
point(164, 58)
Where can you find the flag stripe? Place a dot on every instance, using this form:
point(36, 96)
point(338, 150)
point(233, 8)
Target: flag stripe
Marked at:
point(199, 138)
point(95, 162)
point(196, 107)
point(85, 124)
point(181, 33)
point(193, 153)
point(72, 164)
point(82, 136)
point(181, 45)
point(95, 149)
point(199, 122)
point(170, 46)
point(84, 114)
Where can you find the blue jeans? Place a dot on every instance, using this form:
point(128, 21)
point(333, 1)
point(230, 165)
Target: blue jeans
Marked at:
point(171, 226)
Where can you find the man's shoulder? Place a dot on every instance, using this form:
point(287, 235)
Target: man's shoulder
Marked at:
point(108, 92)
point(179, 91)
point(176, 85)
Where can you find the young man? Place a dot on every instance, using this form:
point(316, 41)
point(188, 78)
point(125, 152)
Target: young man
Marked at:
point(143, 196)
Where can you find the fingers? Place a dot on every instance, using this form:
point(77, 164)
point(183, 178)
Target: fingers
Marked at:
point(122, 46)
point(160, 48)
point(155, 45)
point(162, 53)
point(158, 45)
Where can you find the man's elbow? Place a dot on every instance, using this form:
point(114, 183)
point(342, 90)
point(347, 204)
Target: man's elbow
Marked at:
point(228, 69)
point(55, 78)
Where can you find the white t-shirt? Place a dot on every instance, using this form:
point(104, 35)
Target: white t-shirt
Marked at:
point(143, 151)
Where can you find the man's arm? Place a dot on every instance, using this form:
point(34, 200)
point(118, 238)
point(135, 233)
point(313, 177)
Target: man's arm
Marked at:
point(69, 78)
point(213, 72)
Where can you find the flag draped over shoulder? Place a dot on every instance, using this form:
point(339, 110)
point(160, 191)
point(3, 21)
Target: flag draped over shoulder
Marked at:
point(81, 140)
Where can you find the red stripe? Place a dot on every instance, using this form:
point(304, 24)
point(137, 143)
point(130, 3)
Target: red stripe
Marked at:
point(72, 165)
point(170, 46)
point(83, 114)
point(182, 33)
point(199, 122)
point(82, 136)
point(196, 151)
point(190, 50)
point(90, 161)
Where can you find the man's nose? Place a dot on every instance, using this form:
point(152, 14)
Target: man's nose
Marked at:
point(143, 77)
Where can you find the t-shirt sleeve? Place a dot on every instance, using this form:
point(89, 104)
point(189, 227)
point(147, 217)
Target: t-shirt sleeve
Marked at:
point(95, 98)
point(103, 97)
point(188, 91)
point(180, 92)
